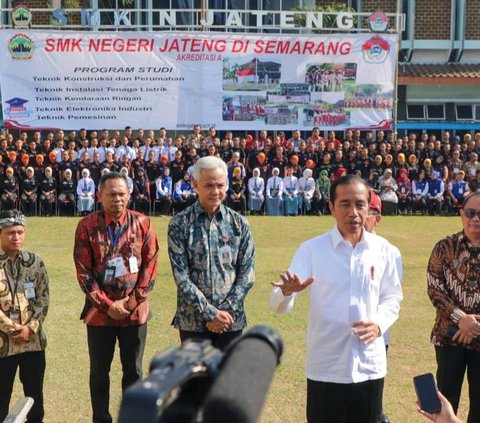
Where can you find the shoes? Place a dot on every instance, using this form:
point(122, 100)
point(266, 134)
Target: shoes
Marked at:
point(384, 419)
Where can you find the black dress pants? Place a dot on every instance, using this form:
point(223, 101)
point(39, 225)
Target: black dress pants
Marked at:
point(451, 365)
point(101, 347)
point(31, 371)
point(344, 403)
point(219, 340)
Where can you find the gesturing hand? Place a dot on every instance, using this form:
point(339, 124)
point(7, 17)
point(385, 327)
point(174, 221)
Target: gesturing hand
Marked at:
point(292, 283)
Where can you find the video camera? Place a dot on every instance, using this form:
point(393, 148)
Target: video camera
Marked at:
point(199, 383)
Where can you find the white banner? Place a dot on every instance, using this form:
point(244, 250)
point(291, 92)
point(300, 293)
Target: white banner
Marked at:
point(109, 80)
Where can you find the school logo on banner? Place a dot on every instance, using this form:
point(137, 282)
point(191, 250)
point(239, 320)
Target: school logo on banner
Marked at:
point(21, 46)
point(375, 50)
point(17, 108)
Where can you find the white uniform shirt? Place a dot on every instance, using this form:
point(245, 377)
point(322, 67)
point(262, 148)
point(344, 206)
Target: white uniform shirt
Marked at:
point(350, 284)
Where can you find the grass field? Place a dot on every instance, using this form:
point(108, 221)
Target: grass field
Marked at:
point(276, 239)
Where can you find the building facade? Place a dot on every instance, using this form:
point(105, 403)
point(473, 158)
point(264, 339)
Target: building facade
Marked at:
point(439, 59)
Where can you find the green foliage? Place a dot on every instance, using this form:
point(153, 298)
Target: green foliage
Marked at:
point(66, 386)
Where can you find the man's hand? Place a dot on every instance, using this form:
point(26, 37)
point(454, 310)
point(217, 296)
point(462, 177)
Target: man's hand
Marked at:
point(22, 333)
point(366, 331)
point(468, 328)
point(292, 283)
point(117, 310)
point(221, 322)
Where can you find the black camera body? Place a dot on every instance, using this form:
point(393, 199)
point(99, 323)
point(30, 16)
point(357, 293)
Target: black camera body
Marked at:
point(197, 382)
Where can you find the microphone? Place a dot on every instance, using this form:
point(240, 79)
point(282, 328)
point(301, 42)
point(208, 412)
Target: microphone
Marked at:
point(238, 393)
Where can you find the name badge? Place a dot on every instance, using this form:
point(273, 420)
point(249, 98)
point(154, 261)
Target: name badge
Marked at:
point(29, 290)
point(119, 266)
point(133, 264)
point(225, 255)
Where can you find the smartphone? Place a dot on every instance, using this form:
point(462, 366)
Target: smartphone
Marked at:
point(427, 395)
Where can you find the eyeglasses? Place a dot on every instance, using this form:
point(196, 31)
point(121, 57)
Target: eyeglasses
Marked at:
point(471, 213)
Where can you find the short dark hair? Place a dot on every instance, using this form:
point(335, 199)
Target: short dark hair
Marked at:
point(467, 198)
point(109, 176)
point(345, 180)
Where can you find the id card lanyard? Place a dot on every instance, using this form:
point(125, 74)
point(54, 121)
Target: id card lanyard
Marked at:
point(113, 237)
point(14, 287)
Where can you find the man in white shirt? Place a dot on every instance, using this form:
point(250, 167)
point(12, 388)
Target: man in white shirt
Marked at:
point(355, 293)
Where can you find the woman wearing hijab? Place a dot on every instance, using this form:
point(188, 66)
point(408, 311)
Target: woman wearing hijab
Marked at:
point(66, 199)
point(290, 193)
point(141, 191)
point(274, 194)
point(412, 167)
point(124, 171)
point(404, 191)
point(388, 192)
point(236, 192)
point(256, 188)
point(28, 192)
point(9, 189)
point(48, 191)
point(306, 190)
point(164, 188)
point(321, 196)
point(85, 193)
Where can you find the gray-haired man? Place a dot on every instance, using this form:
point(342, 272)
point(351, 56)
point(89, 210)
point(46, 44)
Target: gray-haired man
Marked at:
point(212, 256)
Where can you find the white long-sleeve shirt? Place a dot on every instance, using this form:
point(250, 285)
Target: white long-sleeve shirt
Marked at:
point(290, 185)
point(350, 284)
point(307, 186)
point(256, 185)
point(86, 186)
point(274, 183)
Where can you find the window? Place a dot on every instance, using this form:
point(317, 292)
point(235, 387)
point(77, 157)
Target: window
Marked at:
point(435, 111)
point(464, 111)
point(477, 112)
point(415, 111)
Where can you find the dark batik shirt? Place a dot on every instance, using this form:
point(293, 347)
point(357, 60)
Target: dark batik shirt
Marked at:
point(453, 277)
point(206, 282)
point(91, 252)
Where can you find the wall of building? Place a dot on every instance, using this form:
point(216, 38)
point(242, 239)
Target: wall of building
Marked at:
point(432, 19)
point(472, 24)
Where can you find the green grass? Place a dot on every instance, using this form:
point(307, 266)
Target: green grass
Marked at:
point(276, 239)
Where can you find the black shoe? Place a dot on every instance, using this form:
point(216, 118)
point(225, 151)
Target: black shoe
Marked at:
point(384, 419)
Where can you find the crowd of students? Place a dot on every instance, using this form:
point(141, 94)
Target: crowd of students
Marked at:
point(273, 175)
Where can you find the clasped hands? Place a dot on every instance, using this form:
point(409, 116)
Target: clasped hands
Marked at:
point(221, 322)
point(22, 333)
point(119, 309)
point(468, 328)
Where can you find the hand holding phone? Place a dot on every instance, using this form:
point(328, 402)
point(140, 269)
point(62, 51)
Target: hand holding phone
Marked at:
point(427, 393)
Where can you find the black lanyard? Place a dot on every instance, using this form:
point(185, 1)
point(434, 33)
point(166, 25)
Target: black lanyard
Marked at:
point(14, 289)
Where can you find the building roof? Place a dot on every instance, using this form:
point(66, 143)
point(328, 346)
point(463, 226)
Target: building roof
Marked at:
point(448, 70)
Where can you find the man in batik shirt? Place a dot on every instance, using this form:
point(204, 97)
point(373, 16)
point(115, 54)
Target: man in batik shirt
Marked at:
point(212, 256)
point(453, 277)
point(115, 255)
point(23, 307)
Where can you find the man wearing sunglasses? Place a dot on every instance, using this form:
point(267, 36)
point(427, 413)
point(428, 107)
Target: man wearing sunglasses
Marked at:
point(453, 277)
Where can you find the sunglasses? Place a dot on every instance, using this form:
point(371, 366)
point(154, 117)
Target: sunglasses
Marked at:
point(471, 213)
